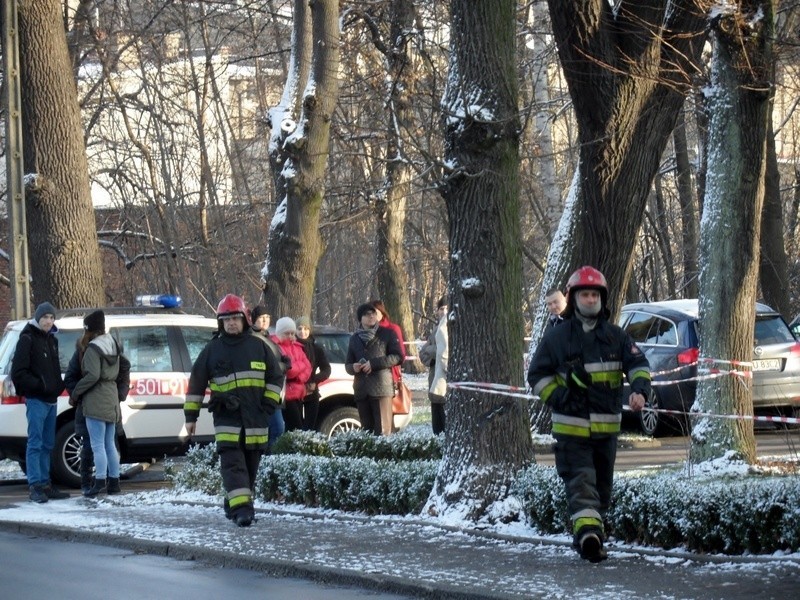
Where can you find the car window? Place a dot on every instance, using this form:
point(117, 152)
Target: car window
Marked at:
point(334, 345)
point(638, 326)
point(7, 346)
point(66, 348)
point(196, 339)
point(67, 340)
point(772, 330)
point(662, 332)
point(146, 347)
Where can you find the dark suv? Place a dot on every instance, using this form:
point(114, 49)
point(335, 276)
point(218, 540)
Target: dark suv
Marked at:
point(667, 332)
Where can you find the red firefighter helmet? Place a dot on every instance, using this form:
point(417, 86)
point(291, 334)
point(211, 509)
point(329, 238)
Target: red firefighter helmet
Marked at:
point(587, 278)
point(232, 306)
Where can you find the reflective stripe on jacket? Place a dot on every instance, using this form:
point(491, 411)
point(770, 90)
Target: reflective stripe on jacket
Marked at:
point(606, 353)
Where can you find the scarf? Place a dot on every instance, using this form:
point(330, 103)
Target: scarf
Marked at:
point(367, 335)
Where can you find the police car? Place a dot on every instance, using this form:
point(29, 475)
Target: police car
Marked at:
point(161, 344)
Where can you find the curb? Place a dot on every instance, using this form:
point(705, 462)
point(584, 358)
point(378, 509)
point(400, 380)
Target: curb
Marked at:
point(262, 564)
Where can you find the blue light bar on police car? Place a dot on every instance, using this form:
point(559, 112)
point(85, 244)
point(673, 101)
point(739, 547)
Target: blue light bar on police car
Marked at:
point(159, 300)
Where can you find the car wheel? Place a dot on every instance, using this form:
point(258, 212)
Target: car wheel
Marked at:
point(66, 458)
point(649, 420)
point(340, 420)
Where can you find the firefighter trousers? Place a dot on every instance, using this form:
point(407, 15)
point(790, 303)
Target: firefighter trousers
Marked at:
point(586, 466)
point(238, 467)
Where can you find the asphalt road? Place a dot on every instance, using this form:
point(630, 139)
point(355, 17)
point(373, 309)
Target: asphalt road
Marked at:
point(42, 567)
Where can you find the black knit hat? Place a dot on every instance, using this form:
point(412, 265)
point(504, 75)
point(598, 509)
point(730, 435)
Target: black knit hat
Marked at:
point(95, 321)
point(257, 312)
point(363, 309)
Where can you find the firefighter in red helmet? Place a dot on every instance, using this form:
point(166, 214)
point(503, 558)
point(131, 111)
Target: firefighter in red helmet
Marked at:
point(245, 382)
point(578, 371)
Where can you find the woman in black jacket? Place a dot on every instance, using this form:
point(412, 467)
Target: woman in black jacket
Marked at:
point(371, 354)
point(320, 371)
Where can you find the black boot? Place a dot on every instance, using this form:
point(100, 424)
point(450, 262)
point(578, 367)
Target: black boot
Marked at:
point(54, 493)
point(590, 544)
point(113, 485)
point(244, 515)
point(98, 486)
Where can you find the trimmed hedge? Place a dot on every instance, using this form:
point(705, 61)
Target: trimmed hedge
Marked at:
point(730, 515)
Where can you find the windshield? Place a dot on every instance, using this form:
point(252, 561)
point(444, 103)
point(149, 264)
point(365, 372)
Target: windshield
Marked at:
point(772, 330)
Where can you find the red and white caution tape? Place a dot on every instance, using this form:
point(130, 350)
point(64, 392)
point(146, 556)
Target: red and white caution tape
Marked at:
point(499, 389)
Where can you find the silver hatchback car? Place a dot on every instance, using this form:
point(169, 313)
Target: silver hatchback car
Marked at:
point(667, 332)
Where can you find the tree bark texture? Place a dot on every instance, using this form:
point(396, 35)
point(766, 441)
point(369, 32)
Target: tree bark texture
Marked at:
point(739, 99)
point(628, 69)
point(391, 275)
point(487, 439)
point(690, 215)
point(62, 237)
point(299, 155)
point(774, 269)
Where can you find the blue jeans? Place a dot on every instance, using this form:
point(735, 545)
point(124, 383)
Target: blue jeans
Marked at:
point(276, 427)
point(41, 439)
point(106, 458)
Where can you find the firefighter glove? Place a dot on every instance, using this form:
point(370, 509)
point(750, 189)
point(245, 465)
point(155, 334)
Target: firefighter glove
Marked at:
point(578, 380)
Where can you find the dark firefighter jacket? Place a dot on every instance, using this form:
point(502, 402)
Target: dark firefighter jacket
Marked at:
point(606, 352)
point(245, 381)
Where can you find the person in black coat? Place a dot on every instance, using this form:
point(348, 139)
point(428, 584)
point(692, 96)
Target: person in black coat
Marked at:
point(320, 371)
point(371, 354)
point(36, 373)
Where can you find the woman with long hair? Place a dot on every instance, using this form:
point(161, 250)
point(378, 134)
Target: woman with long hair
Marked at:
point(97, 393)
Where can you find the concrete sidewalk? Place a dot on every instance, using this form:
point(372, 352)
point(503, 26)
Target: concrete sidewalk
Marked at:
point(401, 555)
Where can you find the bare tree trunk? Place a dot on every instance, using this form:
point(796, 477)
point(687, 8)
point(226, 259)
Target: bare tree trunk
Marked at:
point(487, 439)
point(774, 271)
point(299, 151)
point(739, 112)
point(64, 253)
point(690, 216)
point(628, 67)
point(391, 273)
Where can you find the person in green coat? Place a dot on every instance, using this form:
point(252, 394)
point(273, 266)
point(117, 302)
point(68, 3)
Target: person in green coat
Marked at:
point(97, 393)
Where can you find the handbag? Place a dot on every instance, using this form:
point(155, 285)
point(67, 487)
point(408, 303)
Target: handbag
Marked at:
point(401, 402)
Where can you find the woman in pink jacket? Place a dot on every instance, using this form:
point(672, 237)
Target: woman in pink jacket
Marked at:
point(298, 373)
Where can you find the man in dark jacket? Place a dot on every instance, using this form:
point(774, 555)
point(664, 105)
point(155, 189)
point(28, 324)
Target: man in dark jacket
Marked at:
point(371, 354)
point(245, 382)
point(36, 374)
point(577, 370)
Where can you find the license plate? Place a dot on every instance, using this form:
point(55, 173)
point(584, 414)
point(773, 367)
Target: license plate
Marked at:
point(767, 364)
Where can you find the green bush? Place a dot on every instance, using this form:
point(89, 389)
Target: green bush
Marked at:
point(409, 444)
point(310, 443)
point(746, 513)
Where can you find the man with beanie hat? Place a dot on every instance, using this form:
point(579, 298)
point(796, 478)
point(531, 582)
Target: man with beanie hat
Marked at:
point(578, 371)
point(320, 371)
point(36, 373)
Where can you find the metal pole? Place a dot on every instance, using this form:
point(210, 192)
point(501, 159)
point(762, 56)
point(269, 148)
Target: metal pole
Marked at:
point(15, 170)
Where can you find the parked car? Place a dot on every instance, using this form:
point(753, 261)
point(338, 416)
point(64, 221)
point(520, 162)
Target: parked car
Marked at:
point(795, 327)
point(162, 345)
point(667, 332)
